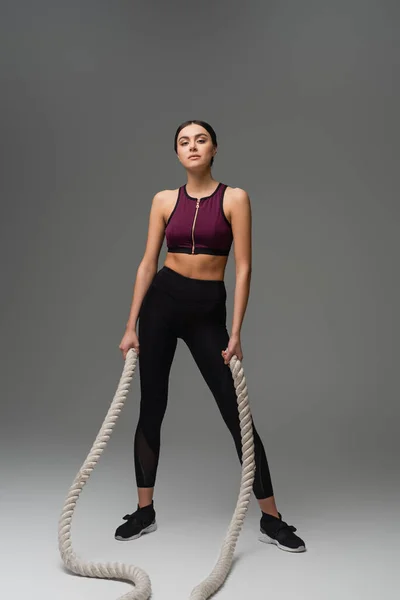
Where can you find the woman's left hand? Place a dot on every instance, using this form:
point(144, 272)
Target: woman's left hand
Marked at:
point(234, 347)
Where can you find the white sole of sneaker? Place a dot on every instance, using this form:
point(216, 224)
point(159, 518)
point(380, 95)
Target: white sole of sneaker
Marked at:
point(147, 529)
point(263, 537)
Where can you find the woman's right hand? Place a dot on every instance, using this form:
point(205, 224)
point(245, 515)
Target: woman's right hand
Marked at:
point(130, 340)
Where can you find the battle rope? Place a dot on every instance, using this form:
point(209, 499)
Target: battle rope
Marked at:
point(135, 575)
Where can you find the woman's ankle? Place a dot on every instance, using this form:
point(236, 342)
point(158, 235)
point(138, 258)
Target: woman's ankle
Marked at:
point(145, 496)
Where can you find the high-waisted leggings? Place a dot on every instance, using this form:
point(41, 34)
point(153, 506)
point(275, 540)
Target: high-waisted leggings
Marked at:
point(193, 310)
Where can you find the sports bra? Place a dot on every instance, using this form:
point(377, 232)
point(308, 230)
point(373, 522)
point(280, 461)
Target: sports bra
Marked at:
point(199, 225)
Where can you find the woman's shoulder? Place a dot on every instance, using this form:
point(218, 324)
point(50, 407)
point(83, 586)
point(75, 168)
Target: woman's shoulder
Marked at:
point(166, 201)
point(166, 194)
point(163, 198)
point(236, 192)
point(236, 196)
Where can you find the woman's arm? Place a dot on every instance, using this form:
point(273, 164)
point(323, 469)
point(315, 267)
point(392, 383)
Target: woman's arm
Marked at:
point(149, 263)
point(241, 228)
point(240, 216)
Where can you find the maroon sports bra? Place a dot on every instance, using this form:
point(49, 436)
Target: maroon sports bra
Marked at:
point(199, 226)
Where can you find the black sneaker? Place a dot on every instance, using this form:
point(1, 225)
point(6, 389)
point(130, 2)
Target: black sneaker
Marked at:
point(276, 531)
point(143, 520)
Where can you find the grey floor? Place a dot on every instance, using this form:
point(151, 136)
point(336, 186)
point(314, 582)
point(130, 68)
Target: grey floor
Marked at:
point(351, 534)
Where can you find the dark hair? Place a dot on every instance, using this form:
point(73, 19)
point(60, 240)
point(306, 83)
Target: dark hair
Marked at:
point(206, 126)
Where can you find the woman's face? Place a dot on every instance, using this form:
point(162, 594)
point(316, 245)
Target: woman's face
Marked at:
point(194, 147)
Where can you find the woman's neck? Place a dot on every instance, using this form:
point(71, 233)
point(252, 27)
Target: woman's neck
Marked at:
point(200, 185)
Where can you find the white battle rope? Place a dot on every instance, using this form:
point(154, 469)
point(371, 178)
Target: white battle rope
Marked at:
point(137, 576)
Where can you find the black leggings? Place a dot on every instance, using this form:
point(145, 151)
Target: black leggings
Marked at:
point(194, 310)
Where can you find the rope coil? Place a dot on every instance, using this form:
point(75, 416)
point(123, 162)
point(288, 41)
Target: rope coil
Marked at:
point(137, 576)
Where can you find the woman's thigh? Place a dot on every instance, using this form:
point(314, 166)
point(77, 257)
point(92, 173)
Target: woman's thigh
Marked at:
point(206, 340)
point(157, 345)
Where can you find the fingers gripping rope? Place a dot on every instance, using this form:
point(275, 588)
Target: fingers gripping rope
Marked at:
point(133, 574)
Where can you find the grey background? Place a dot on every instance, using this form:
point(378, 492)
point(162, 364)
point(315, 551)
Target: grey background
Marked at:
point(304, 97)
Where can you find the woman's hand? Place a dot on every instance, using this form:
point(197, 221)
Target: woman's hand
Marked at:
point(130, 340)
point(234, 347)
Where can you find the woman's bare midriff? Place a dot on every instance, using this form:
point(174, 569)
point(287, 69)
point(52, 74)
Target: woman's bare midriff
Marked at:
point(197, 266)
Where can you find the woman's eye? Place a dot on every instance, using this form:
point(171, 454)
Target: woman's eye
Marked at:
point(184, 143)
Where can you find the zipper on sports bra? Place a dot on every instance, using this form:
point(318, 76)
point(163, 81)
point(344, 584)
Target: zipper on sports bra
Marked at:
point(194, 221)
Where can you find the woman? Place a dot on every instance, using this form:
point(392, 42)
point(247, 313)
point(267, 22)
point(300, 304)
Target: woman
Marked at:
point(186, 299)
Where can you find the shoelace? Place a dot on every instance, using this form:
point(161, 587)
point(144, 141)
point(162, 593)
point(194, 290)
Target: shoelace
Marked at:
point(132, 517)
point(283, 525)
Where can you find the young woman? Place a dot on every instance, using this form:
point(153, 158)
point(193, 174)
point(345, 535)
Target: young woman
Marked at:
point(186, 299)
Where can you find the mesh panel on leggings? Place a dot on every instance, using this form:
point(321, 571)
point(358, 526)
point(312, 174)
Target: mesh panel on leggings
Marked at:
point(146, 460)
